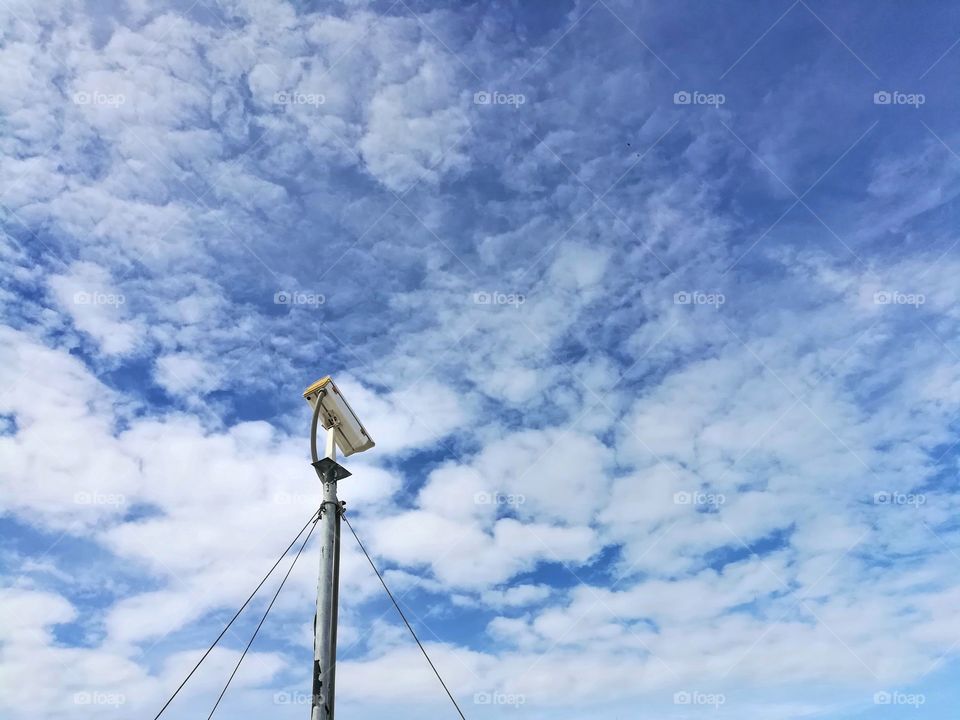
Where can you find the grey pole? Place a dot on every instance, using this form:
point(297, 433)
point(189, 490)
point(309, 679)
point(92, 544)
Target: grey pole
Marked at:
point(325, 621)
point(334, 616)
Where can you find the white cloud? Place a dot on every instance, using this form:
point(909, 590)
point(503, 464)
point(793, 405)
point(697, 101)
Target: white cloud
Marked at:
point(631, 494)
point(182, 373)
point(98, 307)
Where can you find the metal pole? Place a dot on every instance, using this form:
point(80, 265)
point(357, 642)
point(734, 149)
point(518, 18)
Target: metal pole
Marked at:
point(325, 621)
point(334, 614)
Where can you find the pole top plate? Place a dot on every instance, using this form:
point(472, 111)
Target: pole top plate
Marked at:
point(324, 465)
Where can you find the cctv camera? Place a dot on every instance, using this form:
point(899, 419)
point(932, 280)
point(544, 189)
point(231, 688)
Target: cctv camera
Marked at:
point(336, 413)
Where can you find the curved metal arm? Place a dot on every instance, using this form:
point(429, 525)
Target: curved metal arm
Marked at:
point(313, 431)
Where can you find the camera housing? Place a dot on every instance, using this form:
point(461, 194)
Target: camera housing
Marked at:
point(335, 412)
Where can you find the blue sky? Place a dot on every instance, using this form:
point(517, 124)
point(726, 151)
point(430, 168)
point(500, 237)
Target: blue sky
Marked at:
point(650, 308)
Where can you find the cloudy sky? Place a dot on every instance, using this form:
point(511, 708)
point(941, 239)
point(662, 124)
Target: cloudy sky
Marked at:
point(649, 306)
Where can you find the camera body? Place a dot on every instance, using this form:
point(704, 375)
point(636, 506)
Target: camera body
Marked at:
point(336, 413)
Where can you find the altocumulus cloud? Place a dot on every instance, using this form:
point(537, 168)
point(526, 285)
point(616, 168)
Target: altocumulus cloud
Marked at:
point(664, 391)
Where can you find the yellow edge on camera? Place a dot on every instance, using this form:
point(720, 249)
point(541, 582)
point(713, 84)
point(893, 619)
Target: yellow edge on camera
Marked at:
point(319, 384)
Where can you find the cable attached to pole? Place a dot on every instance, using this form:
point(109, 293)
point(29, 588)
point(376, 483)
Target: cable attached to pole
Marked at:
point(402, 616)
point(313, 518)
point(265, 613)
